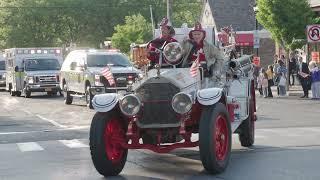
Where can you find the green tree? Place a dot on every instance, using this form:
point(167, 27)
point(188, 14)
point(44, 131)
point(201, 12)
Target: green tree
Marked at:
point(285, 19)
point(316, 20)
point(25, 23)
point(135, 30)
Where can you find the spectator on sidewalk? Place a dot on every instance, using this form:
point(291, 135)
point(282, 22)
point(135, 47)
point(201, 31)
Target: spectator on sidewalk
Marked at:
point(292, 69)
point(275, 76)
point(275, 63)
point(315, 80)
point(260, 81)
point(264, 84)
point(270, 80)
point(304, 78)
point(256, 72)
point(283, 58)
point(281, 73)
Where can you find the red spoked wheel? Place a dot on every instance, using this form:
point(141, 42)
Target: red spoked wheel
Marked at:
point(215, 138)
point(106, 133)
point(221, 137)
point(112, 134)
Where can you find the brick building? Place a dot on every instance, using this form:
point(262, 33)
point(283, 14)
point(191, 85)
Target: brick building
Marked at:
point(239, 14)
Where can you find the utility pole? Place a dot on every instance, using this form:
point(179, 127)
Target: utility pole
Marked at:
point(152, 23)
point(169, 10)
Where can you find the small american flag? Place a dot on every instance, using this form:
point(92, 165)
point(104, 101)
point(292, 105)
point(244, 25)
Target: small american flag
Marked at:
point(194, 68)
point(106, 72)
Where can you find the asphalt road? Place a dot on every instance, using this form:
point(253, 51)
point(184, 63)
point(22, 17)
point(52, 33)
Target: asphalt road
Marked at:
point(41, 138)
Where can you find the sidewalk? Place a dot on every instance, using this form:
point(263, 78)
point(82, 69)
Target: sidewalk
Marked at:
point(294, 91)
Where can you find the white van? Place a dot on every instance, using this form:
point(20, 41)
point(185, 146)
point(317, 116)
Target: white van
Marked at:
point(2, 72)
point(33, 70)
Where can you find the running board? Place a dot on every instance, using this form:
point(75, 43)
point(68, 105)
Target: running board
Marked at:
point(77, 95)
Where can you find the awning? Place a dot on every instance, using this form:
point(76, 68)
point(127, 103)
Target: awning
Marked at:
point(243, 39)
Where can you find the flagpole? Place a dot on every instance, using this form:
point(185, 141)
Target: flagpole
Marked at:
point(195, 66)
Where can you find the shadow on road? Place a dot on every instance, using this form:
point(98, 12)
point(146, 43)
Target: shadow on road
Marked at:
point(132, 177)
point(45, 96)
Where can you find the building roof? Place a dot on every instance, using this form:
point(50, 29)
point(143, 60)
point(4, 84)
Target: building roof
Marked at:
point(314, 3)
point(238, 13)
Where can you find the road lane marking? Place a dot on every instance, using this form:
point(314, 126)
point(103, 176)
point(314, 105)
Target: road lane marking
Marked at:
point(46, 130)
point(74, 143)
point(260, 137)
point(314, 129)
point(29, 146)
point(51, 121)
point(28, 112)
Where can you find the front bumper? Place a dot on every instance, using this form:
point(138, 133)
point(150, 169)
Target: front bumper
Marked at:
point(102, 90)
point(2, 83)
point(43, 88)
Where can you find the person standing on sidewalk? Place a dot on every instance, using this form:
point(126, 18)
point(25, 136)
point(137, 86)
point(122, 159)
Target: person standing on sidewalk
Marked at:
point(304, 78)
point(270, 80)
point(275, 68)
point(256, 72)
point(265, 85)
point(281, 73)
point(292, 69)
point(260, 80)
point(315, 80)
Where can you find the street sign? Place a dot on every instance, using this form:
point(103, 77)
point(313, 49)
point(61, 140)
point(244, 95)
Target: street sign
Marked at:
point(256, 39)
point(256, 60)
point(315, 56)
point(313, 33)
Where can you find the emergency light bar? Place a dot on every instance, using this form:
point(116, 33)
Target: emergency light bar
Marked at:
point(38, 51)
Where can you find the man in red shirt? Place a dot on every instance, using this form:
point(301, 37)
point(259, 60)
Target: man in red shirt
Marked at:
point(167, 33)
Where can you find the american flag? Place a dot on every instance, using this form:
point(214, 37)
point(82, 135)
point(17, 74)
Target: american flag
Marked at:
point(106, 72)
point(194, 68)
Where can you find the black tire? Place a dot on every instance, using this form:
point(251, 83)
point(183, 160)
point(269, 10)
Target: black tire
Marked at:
point(27, 93)
point(18, 93)
point(246, 129)
point(12, 93)
point(213, 162)
point(89, 97)
point(67, 96)
point(101, 160)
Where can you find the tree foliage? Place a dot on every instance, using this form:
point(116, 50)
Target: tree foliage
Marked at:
point(26, 23)
point(285, 19)
point(316, 20)
point(135, 30)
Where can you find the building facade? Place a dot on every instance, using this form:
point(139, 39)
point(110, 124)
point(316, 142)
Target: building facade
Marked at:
point(241, 16)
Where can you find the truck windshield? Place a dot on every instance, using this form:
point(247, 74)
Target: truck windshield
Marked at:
point(41, 64)
point(101, 60)
point(2, 65)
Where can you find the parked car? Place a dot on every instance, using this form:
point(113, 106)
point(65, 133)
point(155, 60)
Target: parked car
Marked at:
point(81, 74)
